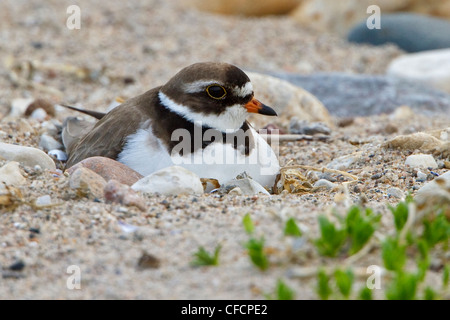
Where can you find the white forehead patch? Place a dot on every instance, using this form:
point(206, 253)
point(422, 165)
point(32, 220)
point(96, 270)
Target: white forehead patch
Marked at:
point(199, 86)
point(244, 91)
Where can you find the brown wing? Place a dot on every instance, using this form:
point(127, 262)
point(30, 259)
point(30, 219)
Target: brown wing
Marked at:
point(109, 134)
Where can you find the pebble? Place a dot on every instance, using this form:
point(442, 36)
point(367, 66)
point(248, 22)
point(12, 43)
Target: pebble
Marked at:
point(39, 115)
point(325, 183)
point(148, 261)
point(87, 183)
point(435, 193)
point(248, 186)
point(244, 7)
point(27, 156)
point(117, 192)
point(109, 169)
point(58, 155)
point(10, 175)
point(344, 162)
point(19, 106)
point(421, 160)
point(395, 192)
point(431, 68)
point(410, 32)
point(365, 95)
point(236, 191)
point(424, 142)
point(48, 143)
point(173, 180)
point(44, 200)
point(421, 177)
point(297, 126)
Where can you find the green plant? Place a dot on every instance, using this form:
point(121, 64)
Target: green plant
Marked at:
point(429, 294)
point(400, 213)
point(393, 254)
point(256, 253)
point(344, 281)
point(365, 293)
point(403, 286)
point(331, 238)
point(360, 227)
point(282, 292)
point(291, 228)
point(323, 285)
point(446, 275)
point(436, 230)
point(248, 224)
point(204, 258)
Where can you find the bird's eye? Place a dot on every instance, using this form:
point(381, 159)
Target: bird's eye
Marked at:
point(216, 91)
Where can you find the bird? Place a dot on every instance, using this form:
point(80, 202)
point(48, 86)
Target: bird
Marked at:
point(197, 120)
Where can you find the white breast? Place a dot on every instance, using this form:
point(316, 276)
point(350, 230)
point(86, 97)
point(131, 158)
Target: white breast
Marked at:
point(145, 153)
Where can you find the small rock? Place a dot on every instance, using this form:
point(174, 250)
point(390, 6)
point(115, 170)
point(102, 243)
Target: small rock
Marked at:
point(421, 160)
point(87, 183)
point(435, 193)
point(48, 143)
point(44, 200)
point(117, 192)
point(344, 162)
point(17, 266)
point(236, 191)
point(325, 183)
point(173, 180)
point(27, 156)
point(46, 106)
point(248, 186)
point(429, 67)
point(148, 261)
point(39, 115)
point(421, 177)
point(10, 175)
point(395, 192)
point(424, 142)
point(18, 107)
point(109, 169)
point(58, 155)
point(406, 30)
point(297, 126)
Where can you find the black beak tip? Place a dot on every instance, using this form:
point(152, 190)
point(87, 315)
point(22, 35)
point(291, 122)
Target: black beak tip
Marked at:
point(268, 111)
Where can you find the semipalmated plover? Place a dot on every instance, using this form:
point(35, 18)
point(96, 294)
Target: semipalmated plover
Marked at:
point(196, 120)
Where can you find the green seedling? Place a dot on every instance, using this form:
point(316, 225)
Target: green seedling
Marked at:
point(344, 281)
point(360, 227)
point(282, 292)
point(365, 294)
point(323, 285)
point(256, 253)
point(446, 275)
point(400, 213)
point(437, 230)
point(332, 238)
point(430, 294)
point(248, 224)
point(204, 258)
point(393, 254)
point(403, 287)
point(291, 228)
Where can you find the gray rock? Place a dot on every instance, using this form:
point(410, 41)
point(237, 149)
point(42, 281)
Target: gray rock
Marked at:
point(325, 183)
point(421, 160)
point(48, 143)
point(173, 180)
point(395, 192)
point(410, 32)
point(248, 186)
point(349, 95)
point(87, 183)
point(297, 126)
point(26, 155)
point(344, 162)
point(434, 193)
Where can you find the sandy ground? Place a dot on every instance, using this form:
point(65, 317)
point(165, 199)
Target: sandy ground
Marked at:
point(146, 42)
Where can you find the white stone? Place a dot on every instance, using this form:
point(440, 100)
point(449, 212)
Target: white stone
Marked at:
point(434, 193)
point(10, 175)
point(27, 156)
point(395, 192)
point(39, 114)
point(48, 143)
point(344, 162)
point(325, 183)
point(44, 200)
point(19, 106)
point(429, 67)
point(421, 160)
point(249, 187)
point(58, 155)
point(172, 180)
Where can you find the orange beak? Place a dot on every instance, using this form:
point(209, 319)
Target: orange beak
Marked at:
point(255, 106)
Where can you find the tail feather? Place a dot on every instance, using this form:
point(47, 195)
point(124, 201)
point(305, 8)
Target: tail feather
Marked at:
point(95, 114)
